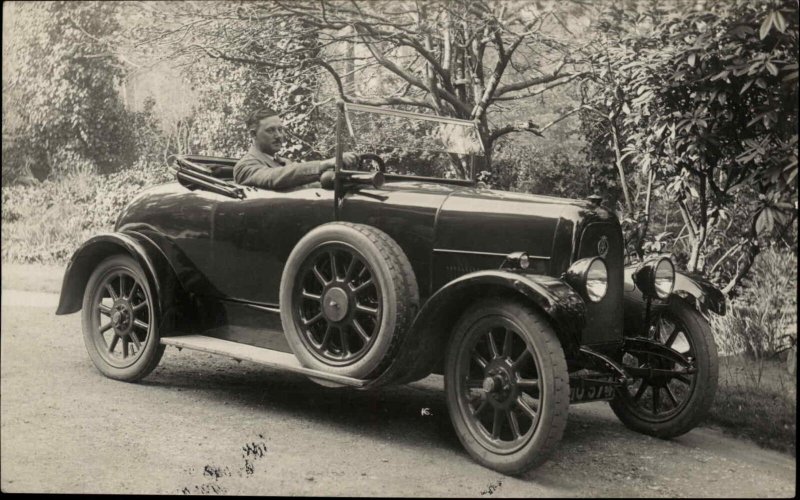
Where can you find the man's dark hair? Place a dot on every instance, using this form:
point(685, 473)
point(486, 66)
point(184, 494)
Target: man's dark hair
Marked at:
point(255, 117)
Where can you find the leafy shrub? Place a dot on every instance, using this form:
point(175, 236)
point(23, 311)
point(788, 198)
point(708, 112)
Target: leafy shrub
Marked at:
point(68, 162)
point(47, 222)
point(757, 396)
point(761, 323)
point(77, 106)
point(149, 138)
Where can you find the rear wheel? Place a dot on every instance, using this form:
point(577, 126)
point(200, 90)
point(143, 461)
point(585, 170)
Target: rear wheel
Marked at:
point(666, 406)
point(120, 329)
point(507, 386)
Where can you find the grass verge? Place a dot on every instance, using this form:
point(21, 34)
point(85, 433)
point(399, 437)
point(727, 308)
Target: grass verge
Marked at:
point(32, 277)
point(764, 411)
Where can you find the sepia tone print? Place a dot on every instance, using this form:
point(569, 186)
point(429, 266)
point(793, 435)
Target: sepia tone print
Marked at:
point(408, 248)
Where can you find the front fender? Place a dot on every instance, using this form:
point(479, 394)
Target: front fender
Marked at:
point(696, 289)
point(561, 304)
point(97, 248)
point(692, 288)
point(425, 343)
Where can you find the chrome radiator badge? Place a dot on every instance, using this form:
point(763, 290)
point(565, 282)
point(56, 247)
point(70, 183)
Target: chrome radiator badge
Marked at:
point(602, 246)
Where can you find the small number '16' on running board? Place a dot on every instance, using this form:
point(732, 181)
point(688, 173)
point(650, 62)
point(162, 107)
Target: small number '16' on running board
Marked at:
point(266, 357)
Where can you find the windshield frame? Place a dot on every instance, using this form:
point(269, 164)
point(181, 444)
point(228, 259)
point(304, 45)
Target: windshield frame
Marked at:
point(345, 107)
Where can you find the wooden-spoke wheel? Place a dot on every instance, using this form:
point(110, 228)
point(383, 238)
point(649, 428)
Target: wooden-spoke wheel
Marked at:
point(660, 397)
point(507, 385)
point(348, 295)
point(119, 325)
point(337, 304)
point(500, 393)
point(665, 404)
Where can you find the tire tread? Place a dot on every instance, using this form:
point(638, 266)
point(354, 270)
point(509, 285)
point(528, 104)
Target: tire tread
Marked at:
point(403, 281)
point(553, 355)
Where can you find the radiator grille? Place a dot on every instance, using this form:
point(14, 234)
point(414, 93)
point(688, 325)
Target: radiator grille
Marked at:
point(604, 319)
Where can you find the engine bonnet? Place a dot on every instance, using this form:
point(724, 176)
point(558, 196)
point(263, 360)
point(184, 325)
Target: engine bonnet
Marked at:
point(497, 222)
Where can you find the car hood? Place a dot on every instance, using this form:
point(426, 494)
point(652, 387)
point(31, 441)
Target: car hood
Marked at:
point(499, 222)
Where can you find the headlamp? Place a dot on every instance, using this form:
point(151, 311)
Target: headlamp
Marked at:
point(655, 277)
point(589, 277)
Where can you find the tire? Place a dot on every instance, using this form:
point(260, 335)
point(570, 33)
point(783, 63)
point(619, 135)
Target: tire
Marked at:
point(688, 398)
point(350, 323)
point(526, 352)
point(121, 334)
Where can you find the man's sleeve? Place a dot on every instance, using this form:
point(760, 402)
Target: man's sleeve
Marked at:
point(250, 172)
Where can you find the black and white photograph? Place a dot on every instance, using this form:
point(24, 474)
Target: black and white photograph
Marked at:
point(407, 248)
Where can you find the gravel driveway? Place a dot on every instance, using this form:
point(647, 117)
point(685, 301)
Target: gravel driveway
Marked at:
point(205, 424)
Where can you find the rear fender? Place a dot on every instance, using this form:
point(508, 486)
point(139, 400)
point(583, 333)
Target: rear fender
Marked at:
point(159, 274)
point(426, 341)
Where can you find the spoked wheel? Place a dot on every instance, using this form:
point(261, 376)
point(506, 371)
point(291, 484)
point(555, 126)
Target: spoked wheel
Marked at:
point(670, 405)
point(119, 324)
point(507, 386)
point(338, 304)
point(348, 295)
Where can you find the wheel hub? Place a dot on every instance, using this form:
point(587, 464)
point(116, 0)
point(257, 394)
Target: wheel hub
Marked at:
point(335, 304)
point(121, 317)
point(493, 384)
point(499, 384)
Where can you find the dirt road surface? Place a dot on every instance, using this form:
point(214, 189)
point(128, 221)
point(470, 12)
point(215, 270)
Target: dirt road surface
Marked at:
point(206, 424)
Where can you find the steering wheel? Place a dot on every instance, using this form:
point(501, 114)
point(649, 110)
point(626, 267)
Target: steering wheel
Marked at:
point(364, 159)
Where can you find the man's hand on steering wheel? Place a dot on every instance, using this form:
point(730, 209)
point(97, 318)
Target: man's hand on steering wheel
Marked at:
point(349, 161)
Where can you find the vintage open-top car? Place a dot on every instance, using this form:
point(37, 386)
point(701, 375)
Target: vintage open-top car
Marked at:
point(389, 273)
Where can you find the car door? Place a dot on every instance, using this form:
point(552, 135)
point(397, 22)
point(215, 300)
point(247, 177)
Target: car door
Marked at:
point(407, 212)
point(252, 239)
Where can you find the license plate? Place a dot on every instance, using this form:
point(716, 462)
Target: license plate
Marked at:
point(585, 390)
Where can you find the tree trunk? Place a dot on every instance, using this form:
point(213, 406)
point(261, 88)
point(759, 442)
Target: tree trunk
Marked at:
point(749, 257)
point(699, 241)
point(618, 161)
point(646, 223)
point(752, 251)
point(350, 66)
point(692, 231)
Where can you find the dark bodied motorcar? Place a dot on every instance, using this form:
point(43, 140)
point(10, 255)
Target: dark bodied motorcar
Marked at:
point(397, 270)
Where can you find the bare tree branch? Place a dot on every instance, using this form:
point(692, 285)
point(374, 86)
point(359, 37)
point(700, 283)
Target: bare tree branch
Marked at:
point(517, 127)
point(535, 81)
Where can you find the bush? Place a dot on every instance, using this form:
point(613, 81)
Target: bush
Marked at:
point(761, 323)
point(757, 395)
point(47, 222)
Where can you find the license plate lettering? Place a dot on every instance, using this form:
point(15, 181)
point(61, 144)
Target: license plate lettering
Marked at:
point(582, 391)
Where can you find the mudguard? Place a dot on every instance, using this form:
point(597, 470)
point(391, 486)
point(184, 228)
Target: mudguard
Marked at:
point(159, 274)
point(425, 342)
point(695, 289)
point(692, 288)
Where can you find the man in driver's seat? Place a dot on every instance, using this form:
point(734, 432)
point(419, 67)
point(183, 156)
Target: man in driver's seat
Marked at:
point(262, 168)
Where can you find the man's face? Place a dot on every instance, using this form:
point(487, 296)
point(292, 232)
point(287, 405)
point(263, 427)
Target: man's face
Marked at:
point(269, 135)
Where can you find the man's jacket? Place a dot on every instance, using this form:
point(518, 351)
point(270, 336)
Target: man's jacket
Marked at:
point(261, 170)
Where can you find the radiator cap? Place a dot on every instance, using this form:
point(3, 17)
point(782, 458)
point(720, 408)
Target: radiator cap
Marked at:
point(596, 199)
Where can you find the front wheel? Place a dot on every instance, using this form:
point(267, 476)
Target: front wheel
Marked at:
point(120, 329)
point(666, 406)
point(507, 385)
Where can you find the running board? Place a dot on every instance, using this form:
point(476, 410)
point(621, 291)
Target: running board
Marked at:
point(260, 355)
